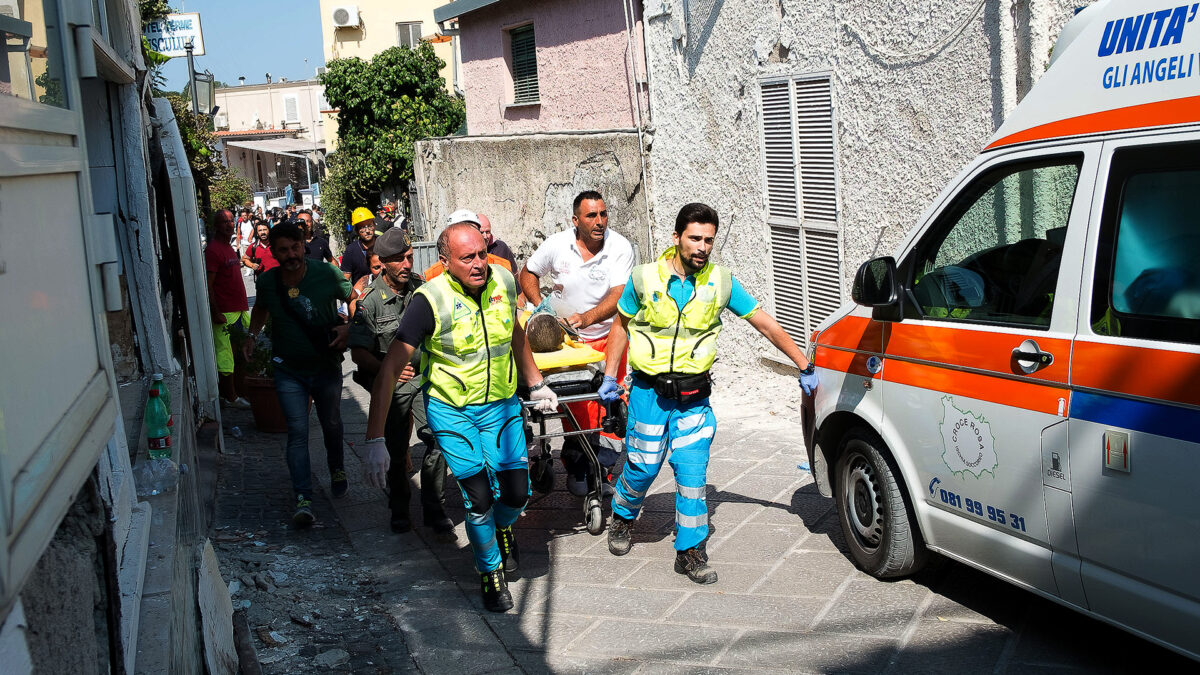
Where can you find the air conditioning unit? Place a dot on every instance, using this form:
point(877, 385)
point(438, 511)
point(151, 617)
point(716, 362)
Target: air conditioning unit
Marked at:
point(346, 16)
point(221, 121)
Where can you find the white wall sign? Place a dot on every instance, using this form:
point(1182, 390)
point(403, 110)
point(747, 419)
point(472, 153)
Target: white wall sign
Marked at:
point(170, 35)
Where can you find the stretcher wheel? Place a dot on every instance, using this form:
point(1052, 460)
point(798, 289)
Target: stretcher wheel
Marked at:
point(541, 473)
point(595, 517)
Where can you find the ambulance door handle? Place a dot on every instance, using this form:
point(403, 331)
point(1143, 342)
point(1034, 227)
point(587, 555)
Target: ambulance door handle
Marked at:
point(1029, 357)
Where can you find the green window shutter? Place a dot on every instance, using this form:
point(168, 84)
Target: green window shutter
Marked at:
point(524, 65)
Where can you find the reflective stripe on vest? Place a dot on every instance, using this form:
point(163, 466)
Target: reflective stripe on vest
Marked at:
point(665, 339)
point(468, 357)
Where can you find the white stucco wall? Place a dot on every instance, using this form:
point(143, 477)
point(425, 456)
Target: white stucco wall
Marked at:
point(918, 86)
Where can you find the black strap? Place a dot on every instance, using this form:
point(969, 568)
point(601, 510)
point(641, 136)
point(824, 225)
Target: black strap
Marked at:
point(316, 335)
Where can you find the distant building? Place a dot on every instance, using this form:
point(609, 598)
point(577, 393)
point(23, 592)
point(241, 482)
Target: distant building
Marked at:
point(547, 65)
point(367, 27)
point(272, 134)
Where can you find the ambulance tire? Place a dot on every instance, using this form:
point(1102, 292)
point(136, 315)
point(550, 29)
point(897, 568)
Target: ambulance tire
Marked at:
point(877, 522)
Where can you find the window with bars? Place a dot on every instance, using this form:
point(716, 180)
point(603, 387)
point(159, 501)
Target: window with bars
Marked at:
point(524, 64)
point(408, 34)
point(801, 197)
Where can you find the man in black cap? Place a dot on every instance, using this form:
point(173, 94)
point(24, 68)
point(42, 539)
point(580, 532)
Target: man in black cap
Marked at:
point(371, 333)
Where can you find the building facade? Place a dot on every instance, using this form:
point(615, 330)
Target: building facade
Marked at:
point(100, 255)
point(367, 27)
point(821, 130)
point(550, 66)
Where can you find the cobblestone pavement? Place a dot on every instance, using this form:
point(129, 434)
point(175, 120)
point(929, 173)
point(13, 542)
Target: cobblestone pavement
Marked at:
point(788, 599)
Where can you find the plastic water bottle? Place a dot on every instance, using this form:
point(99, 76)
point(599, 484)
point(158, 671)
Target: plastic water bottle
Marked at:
point(165, 394)
point(157, 422)
point(237, 432)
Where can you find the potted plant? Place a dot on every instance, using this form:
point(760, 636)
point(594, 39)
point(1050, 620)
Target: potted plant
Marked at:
point(260, 388)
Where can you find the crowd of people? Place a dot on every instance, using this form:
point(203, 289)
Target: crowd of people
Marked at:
point(443, 353)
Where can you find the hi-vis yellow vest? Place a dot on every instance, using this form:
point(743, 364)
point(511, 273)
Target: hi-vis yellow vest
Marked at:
point(664, 339)
point(468, 357)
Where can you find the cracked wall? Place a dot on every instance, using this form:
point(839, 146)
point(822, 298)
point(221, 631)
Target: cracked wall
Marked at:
point(525, 184)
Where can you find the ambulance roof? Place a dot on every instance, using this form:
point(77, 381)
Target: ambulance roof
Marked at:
point(1119, 64)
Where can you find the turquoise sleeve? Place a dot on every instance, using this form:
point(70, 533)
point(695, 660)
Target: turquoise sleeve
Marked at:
point(628, 305)
point(741, 302)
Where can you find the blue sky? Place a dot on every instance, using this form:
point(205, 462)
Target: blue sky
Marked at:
point(252, 38)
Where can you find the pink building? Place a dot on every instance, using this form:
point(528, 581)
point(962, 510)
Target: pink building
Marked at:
point(549, 65)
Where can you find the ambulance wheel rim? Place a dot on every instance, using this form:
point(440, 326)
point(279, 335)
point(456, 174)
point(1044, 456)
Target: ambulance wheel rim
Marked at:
point(862, 503)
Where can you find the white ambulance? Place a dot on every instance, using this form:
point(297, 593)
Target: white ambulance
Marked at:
point(1018, 388)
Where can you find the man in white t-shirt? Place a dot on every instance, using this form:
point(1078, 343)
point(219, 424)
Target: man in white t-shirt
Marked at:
point(588, 265)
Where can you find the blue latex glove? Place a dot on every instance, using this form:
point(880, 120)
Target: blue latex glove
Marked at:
point(808, 380)
point(609, 391)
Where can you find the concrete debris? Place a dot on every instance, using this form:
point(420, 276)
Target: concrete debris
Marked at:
point(269, 637)
point(305, 621)
point(331, 658)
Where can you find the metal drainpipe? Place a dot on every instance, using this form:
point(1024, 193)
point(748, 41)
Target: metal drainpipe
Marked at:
point(637, 107)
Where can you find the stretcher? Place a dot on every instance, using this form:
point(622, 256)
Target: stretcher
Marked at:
point(574, 373)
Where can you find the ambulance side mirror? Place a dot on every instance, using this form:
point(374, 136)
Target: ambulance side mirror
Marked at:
point(876, 285)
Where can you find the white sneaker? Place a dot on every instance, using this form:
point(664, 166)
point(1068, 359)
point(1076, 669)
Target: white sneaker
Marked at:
point(238, 402)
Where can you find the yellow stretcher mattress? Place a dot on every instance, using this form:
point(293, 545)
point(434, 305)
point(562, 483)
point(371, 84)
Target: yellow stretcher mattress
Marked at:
point(571, 355)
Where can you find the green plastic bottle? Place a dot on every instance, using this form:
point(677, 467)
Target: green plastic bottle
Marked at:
point(165, 394)
point(157, 425)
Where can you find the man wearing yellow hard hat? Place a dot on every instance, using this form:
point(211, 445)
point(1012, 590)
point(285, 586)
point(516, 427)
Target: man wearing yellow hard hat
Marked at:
point(356, 260)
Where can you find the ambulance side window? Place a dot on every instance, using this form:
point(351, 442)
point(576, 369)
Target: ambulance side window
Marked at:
point(1147, 281)
point(994, 254)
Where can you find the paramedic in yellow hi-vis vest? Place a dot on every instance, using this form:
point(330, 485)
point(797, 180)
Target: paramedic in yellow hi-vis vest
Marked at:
point(670, 318)
point(472, 351)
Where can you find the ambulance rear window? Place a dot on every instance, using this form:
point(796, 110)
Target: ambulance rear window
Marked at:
point(1148, 269)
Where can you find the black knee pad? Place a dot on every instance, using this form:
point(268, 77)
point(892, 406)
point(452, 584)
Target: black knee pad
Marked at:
point(477, 492)
point(514, 487)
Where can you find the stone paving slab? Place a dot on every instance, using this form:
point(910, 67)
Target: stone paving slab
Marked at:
point(788, 600)
point(696, 645)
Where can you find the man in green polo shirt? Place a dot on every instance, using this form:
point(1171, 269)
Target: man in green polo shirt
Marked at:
point(307, 339)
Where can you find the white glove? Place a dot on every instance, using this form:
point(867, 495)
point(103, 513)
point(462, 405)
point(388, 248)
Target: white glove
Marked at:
point(377, 463)
point(547, 400)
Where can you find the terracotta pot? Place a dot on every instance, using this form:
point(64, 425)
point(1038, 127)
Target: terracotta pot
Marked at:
point(268, 416)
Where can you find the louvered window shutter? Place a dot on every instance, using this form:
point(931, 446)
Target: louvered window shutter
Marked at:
point(798, 153)
point(291, 109)
point(524, 65)
point(818, 197)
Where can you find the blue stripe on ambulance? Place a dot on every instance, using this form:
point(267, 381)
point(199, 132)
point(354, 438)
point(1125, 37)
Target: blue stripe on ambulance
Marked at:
point(1152, 418)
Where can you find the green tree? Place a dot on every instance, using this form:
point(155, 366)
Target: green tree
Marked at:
point(384, 106)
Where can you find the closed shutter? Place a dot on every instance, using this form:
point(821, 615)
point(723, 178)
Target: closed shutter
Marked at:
point(779, 151)
point(818, 195)
point(291, 109)
point(801, 186)
point(786, 280)
point(814, 135)
point(524, 65)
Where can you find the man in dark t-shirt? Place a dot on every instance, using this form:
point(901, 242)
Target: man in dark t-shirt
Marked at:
point(355, 263)
point(316, 247)
point(307, 339)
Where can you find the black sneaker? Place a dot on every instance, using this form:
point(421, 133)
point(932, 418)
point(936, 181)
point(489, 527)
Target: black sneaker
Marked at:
point(338, 484)
point(304, 516)
point(694, 563)
point(508, 549)
point(620, 535)
point(496, 597)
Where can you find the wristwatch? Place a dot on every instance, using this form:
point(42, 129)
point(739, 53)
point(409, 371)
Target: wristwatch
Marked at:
point(537, 386)
point(812, 368)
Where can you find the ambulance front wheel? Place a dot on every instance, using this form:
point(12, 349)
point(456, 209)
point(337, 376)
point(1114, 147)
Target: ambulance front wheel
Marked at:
point(878, 524)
